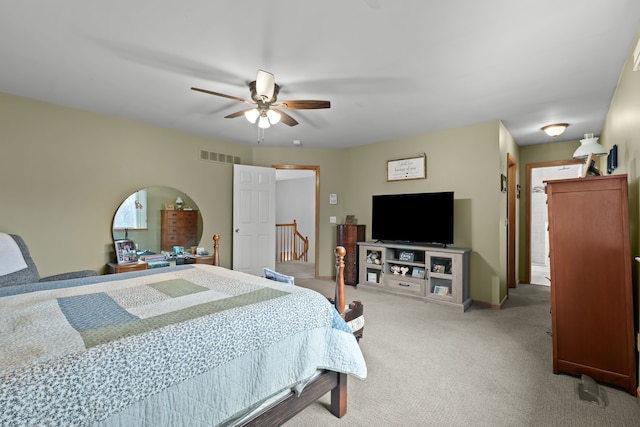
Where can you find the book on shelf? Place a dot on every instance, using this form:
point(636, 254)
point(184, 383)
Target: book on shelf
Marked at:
point(157, 264)
point(155, 257)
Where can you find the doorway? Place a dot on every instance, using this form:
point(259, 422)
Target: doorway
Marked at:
point(512, 167)
point(537, 233)
point(310, 227)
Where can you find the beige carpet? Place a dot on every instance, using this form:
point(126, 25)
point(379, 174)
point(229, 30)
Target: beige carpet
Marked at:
point(434, 366)
point(297, 269)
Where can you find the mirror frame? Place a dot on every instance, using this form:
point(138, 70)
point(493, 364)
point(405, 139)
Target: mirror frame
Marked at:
point(158, 197)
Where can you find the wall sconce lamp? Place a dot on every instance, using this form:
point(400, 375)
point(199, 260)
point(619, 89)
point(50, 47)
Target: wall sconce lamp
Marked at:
point(556, 129)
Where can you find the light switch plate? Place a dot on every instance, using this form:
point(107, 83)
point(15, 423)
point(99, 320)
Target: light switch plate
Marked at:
point(333, 199)
point(332, 219)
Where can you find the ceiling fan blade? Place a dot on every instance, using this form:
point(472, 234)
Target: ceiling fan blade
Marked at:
point(235, 98)
point(303, 104)
point(285, 118)
point(237, 113)
point(265, 84)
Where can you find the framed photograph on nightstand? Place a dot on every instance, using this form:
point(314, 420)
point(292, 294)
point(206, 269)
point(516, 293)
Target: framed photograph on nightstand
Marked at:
point(126, 251)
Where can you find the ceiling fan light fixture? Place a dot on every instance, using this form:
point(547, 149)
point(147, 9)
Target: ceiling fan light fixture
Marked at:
point(555, 129)
point(263, 123)
point(274, 116)
point(252, 115)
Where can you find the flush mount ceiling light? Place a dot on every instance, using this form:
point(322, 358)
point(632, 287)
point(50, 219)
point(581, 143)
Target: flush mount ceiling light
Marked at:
point(589, 145)
point(556, 129)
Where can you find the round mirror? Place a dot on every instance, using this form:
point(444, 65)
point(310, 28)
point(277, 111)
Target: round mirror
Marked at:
point(157, 219)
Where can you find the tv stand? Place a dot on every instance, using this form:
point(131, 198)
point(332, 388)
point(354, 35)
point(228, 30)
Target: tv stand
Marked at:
point(435, 274)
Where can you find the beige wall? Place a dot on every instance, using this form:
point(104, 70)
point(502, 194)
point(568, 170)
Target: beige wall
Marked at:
point(622, 127)
point(464, 160)
point(64, 172)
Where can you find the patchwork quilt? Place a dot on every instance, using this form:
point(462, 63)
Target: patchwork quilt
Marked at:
point(216, 342)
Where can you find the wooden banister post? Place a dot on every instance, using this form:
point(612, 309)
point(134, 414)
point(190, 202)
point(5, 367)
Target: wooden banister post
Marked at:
point(340, 296)
point(216, 257)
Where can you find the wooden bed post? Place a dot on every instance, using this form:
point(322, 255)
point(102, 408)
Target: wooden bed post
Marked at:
point(340, 298)
point(339, 397)
point(216, 257)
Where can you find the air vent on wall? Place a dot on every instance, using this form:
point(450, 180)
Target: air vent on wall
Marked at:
point(219, 157)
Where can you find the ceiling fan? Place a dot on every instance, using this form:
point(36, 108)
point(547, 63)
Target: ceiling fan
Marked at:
point(267, 110)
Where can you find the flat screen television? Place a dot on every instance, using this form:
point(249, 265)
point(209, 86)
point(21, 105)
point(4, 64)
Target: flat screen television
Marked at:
point(419, 218)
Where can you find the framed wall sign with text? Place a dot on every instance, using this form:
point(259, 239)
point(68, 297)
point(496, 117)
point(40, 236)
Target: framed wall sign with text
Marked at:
point(412, 168)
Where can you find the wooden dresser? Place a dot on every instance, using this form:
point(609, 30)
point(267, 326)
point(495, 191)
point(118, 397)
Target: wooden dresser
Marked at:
point(591, 285)
point(348, 236)
point(178, 228)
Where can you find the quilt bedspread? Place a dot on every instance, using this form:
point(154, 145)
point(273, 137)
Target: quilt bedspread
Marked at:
point(76, 352)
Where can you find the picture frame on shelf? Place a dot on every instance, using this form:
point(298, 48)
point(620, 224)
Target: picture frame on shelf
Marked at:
point(372, 276)
point(408, 256)
point(417, 272)
point(439, 268)
point(169, 207)
point(126, 251)
point(440, 290)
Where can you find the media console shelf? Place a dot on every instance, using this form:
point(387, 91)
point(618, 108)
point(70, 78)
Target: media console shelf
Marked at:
point(435, 274)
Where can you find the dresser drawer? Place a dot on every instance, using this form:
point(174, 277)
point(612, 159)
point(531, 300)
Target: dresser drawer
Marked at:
point(406, 286)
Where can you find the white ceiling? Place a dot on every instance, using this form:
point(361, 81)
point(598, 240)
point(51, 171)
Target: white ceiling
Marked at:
point(391, 68)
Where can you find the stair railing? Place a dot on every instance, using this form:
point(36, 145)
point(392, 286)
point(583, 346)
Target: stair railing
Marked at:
point(290, 244)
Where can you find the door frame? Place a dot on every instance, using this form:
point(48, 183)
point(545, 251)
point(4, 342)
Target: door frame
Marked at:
point(512, 167)
point(316, 243)
point(530, 167)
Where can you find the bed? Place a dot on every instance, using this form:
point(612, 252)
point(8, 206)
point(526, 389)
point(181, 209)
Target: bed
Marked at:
point(195, 345)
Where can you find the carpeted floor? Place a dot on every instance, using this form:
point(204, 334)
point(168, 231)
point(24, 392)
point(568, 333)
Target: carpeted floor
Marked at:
point(297, 269)
point(433, 366)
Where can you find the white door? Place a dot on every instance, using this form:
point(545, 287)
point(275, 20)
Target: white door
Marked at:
point(254, 219)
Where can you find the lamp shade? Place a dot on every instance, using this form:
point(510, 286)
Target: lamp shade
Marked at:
point(274, 117)
point(589, 145)
point(263, 122)
point(556, 129)
point(252, 115)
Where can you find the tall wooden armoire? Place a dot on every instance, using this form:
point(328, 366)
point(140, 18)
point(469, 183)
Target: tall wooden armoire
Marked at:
point(348, 236)
point(591, 285)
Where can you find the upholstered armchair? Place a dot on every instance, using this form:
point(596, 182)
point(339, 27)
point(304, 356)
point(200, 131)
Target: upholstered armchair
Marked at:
point(24, 270)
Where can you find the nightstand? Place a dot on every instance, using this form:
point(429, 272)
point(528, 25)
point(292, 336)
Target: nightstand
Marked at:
point(198, 259)
point(204, 259)
point(124, 268)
